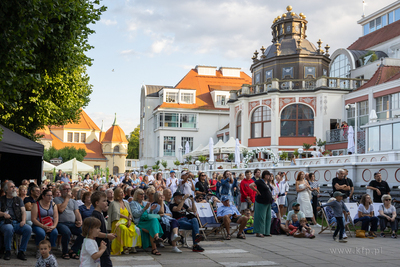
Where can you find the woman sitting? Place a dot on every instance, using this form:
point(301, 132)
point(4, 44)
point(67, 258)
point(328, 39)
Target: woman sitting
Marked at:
point(159, 182)
point(150, 227)
point(45, 219)
point(22, 192)
point(387, 215)
point(120, 223)
point(365, 214)
point(87, 208)
point(145, 182)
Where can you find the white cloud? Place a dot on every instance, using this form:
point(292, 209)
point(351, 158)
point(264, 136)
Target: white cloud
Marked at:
point(128, 52)
point(109, 22)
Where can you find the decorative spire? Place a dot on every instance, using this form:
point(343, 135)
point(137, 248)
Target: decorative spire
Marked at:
point(327, 50)
point(102, 126)
point(115, 120)
point(320, 51)
point(262, 52)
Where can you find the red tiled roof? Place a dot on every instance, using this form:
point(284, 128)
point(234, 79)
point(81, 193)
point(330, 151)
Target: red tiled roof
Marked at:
point(45, 133)
point(93, 149)
point(85, 122)
point(379, 36)
point(114, 134)
point(382, 75)
point(203, 85)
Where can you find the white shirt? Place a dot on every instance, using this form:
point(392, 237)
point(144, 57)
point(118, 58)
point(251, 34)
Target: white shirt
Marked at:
point(151, 177)
point(186, 188)
point(173, 182)
point(89, 247)
point(87, 181)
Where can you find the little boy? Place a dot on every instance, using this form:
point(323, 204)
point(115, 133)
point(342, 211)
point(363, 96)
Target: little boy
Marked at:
point(250, 222)
point(304, 230)
point(339, 208)
point(99, 202)
point(46, 259)
point(294, 224)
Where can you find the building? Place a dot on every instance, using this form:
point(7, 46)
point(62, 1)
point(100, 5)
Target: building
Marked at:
point(292, 100)
point(374, 56)
point(104, 149)
point(192, 111)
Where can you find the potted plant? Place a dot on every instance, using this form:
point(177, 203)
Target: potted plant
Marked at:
point(145, 167)
point(220, 167)
point(164, 163)
point(284, 155)
point(245, 152)
point(177, 163)
point(202, 159)
point(189, 159)
point(296, 153)
point(155, 167)
point(108, 174)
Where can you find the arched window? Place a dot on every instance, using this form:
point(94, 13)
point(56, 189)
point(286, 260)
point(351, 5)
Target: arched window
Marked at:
point(340, 67)
point(297, 120)
point(239, 126)
point(116, 149)
point(261, 123)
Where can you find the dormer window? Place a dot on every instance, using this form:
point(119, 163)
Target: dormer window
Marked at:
point(187, 98)
point(171, 97)
point(221, 100)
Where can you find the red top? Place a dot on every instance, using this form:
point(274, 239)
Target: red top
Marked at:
point(213, 182)
point(246, 191)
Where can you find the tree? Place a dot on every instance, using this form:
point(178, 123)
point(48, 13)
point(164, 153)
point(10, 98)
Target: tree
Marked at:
point(133, 145)
point(43, 64)
point(66, 153)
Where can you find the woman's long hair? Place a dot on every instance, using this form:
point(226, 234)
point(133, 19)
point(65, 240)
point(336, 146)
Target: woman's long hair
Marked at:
point(265, 173)
point(43, 194)
point(299, 176)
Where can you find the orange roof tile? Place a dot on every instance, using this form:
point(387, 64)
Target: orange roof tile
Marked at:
point(85, 122)
point(93, 149)
point(203, 85)
point(45, 133)
point(114, 134)
point(382, 75)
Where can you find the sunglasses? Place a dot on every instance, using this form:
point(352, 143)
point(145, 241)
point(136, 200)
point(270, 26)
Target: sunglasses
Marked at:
point(388, 199)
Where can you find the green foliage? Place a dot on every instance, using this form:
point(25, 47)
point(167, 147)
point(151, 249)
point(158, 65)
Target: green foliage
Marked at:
point(54, 174)
point(306, 146)
point(245, 152)
point(319, 142)
point(133, 145)
point(43, 62)
point(157, 162)
point(145, 167)
point(177, 163)
point(296, 153)
point(164, 164)
point(67, 153)
point(231, 157)
point(189, 158)
point(156, 167)
point(202, 158)
point(284, 155)
point(107, 174)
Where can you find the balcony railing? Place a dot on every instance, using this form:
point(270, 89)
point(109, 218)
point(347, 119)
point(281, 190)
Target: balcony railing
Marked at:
point(336, 136)
point(301, 84)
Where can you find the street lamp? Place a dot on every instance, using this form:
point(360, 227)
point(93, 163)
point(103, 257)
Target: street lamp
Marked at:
point(211, 162)
point(300, 150)
point(197, 163)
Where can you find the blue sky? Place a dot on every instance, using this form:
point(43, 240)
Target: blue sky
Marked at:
point(157, 42)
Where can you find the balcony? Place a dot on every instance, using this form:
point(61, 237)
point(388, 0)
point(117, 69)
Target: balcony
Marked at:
point(301, 85)
point(336, 136)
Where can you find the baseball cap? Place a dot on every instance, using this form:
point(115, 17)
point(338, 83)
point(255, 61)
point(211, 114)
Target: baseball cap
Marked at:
point(177, 194)
point(337, 193)
point(224, 198)
point(295, 204)
point(171, 171)
point(184, 173)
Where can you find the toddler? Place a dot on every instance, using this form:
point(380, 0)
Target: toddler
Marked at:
point(90, 253)
point(293, 224)
point(46, 259)
point(250, 222)
point(304, 230)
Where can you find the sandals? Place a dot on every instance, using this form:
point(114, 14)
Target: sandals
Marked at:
point(155, 252)
point(241, 236)
point(228, 237)
point(65, 256)
point(158, 240)
point(372, 234)
point(72, 255)
point(260, 235)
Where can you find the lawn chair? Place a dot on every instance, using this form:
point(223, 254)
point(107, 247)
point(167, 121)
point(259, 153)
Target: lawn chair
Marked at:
point(207, 219)
point(333, 224)
point(353, 209)
point(232, 224)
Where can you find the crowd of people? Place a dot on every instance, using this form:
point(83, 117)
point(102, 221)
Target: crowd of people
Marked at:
point(91, 219)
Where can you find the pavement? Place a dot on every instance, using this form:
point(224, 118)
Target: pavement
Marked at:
point(269, 251)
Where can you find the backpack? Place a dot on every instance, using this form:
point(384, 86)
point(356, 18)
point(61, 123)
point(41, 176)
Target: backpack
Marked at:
point(275, 226)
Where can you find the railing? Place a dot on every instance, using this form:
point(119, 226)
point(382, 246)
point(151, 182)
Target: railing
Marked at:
point(336, 136)
point(301, 84)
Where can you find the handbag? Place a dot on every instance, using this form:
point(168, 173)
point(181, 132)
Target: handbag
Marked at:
point(46, 221)
point(360, 233)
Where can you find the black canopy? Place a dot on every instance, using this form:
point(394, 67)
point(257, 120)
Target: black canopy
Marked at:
point(20, 158)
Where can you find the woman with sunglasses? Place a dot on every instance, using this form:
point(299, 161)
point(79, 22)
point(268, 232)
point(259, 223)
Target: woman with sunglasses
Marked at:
point(387, 215)
point(201, 187)
point(41, 212)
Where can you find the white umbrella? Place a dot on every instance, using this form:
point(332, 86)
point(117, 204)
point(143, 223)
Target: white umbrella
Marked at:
point(81, 167)
point(74, 176)
point(187, 148)
point(211, 149)
point(237, 153)
point(48, 166)
point(350, 139)
point(180, 154)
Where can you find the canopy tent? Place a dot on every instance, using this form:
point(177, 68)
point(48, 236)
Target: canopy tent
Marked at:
point(80, 167)
point(217, 146)
point(230, 146)
point(48, 166)
point(195, 152)
point(17, 151)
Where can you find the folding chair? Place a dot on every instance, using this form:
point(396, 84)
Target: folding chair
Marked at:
point(231, 224)
point(353, 209)
point(330, 225)
point(207, 219)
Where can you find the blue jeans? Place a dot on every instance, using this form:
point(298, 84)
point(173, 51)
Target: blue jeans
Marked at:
point(8, 231)
point(366, 221)
point(66, 229)
point(339, 227)
point(192, 224)
point(41, 235)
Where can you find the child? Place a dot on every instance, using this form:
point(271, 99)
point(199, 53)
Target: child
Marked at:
point(304, 230)
point(250, 222)
point(46, 260)
point(294, 224)
point(100, 204)
point(339, 208)
point(90, 253)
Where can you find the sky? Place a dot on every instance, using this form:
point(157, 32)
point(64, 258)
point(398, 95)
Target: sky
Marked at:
point(156, 42)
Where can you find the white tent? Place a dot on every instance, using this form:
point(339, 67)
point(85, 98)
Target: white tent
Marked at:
point(48, 166)
point(195, 152)
point(217, 146)
point(229, 147)
point(80, 167)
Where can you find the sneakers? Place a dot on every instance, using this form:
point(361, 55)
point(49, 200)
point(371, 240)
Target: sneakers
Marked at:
point(317, 225)
point(176, 250)
point(197, 248)
point(160, 245)
point(335, 238)
point(344, 236)
point(394, 236)
point(21, 256)
point(7, 255)
point(342, 241)
point(176, 238)
point(199, 238)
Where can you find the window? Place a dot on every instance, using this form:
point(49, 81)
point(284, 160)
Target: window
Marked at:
point(129, 163)
point(340, 67)
point(76, 137)
point(386, 137)
point(183, 144)
point(171, 120)
point(187, 98)
point(97, 167)
point(297, 120)
point(239, 126)
point(69, 137)
point(378, 23)
point(373, 139)
point(220, 138)
point(221, 100)
point(383, 107)
point(171, 97)
point(372, 26)
point(390, 17)
point(176, 120)
point(188, 120)
point(397, 14)
point(83, 137)
point(116, 149)
point(169, 145)
point(366, 29)
point(261, 123)
point(384, 20)
point(287, 72)
point(257, 78)
point(396, 137)
point(363, 114)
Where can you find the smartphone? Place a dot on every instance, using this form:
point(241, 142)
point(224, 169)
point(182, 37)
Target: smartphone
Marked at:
point(31, 181)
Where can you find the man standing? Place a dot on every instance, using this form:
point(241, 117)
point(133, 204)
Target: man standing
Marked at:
point(150, 176)
point(69, 222)
point(227, 214)
point(186, 184)
point(172, 182)
point(59, 175)
point(12, 220)
point(379, 187)
point(64, 178)
point(247, 195)
point(346, 173)
point(342, 185)
point(257, 175)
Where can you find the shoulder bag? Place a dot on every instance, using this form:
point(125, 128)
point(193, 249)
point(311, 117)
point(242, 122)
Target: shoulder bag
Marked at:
point(46, 221)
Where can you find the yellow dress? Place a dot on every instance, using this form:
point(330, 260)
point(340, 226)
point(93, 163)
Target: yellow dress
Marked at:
point(125, 236)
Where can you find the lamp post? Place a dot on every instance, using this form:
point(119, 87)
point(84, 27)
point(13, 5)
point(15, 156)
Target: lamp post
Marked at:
point(300, 150)
point(197, 163)
point(211, 163)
